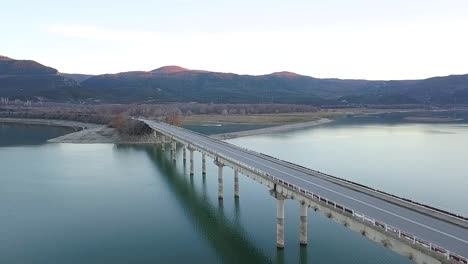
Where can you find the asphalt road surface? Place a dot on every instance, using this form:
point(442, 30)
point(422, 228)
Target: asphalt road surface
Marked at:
point(447, 235)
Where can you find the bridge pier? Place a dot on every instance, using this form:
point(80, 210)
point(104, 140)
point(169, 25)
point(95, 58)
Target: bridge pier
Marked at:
point(303, 226)
point(185, 153)
point(220, 179)
point(191, 160)
point(203, 164)
point(163, 142)
point(236, 183)
point(280, 221)
point(273, 175)
point(173, 150)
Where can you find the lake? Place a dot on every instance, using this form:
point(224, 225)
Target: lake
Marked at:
point(105, 203)
point(423, 162)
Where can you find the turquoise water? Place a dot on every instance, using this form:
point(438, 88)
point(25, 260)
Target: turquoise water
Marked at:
point(103, 203)
point(422, 162)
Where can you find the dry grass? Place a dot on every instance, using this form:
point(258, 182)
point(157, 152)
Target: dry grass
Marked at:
point(276, 119)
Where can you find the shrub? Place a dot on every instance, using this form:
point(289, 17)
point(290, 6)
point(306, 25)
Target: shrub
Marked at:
point(128, 126)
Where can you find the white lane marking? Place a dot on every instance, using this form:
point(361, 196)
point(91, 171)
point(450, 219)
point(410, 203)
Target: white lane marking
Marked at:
point(330, 190)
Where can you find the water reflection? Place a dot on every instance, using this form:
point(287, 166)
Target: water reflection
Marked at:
point(303, 255)
point(227, 239)
point(279, 257)
point(236, 210)
point(99, 203)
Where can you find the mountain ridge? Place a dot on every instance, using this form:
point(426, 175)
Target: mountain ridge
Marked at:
point(169, 69)
point(30, 80)
point(25, 79)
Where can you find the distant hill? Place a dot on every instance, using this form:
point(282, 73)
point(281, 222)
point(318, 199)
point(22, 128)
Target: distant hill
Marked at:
point(169, 70)
point(176, 84)
point(10, 66)
point(29, 80)
point(24, 79)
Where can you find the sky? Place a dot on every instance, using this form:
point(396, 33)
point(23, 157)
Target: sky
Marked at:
point(359, 39)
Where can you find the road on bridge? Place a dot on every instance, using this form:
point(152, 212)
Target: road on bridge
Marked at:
point(439, 232)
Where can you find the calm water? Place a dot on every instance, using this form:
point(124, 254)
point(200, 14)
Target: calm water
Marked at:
point(65, 203)
point(424, 162)
point(20, 134)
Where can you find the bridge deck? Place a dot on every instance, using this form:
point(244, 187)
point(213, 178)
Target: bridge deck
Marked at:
point(434, 230)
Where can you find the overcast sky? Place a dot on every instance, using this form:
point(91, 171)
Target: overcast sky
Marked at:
point(371, 39)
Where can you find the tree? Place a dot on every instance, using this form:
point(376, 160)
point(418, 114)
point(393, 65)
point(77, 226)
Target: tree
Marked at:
point(119, 121)
point(173, 119)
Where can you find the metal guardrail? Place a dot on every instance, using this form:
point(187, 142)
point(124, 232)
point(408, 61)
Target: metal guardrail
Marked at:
point(379, 192)
point(407, 236)
point(289, 164)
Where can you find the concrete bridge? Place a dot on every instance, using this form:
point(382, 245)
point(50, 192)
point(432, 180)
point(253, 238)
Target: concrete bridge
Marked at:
point(422, 233)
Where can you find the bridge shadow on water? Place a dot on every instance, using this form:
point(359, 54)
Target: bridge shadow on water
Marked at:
point(225, 237)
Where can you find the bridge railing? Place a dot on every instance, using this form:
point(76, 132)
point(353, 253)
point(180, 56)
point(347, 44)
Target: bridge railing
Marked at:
point(380, 193)
point(412, 239)
point(362, 217)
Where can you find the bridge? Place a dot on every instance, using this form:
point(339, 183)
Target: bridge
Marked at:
point(422, 233)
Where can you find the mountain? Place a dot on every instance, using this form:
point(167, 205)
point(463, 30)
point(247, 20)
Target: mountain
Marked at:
point(4, 58)
point(177, 84)
point(10, 66)
point(169, 70)
point(29, 80)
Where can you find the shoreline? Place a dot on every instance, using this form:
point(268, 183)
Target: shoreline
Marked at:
point(104, 134)
point(78, 126)
point(88, 133)
point(85, 133)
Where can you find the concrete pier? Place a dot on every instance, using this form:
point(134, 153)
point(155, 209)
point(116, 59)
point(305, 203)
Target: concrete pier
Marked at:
point(185, 154)
point(203, 164)
point(303, 225)
point(236, 183)
point(220, 179)
point(191, 161)
point(163, 143)
point(280, 222)
point(277, 175)
point(173, 150)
